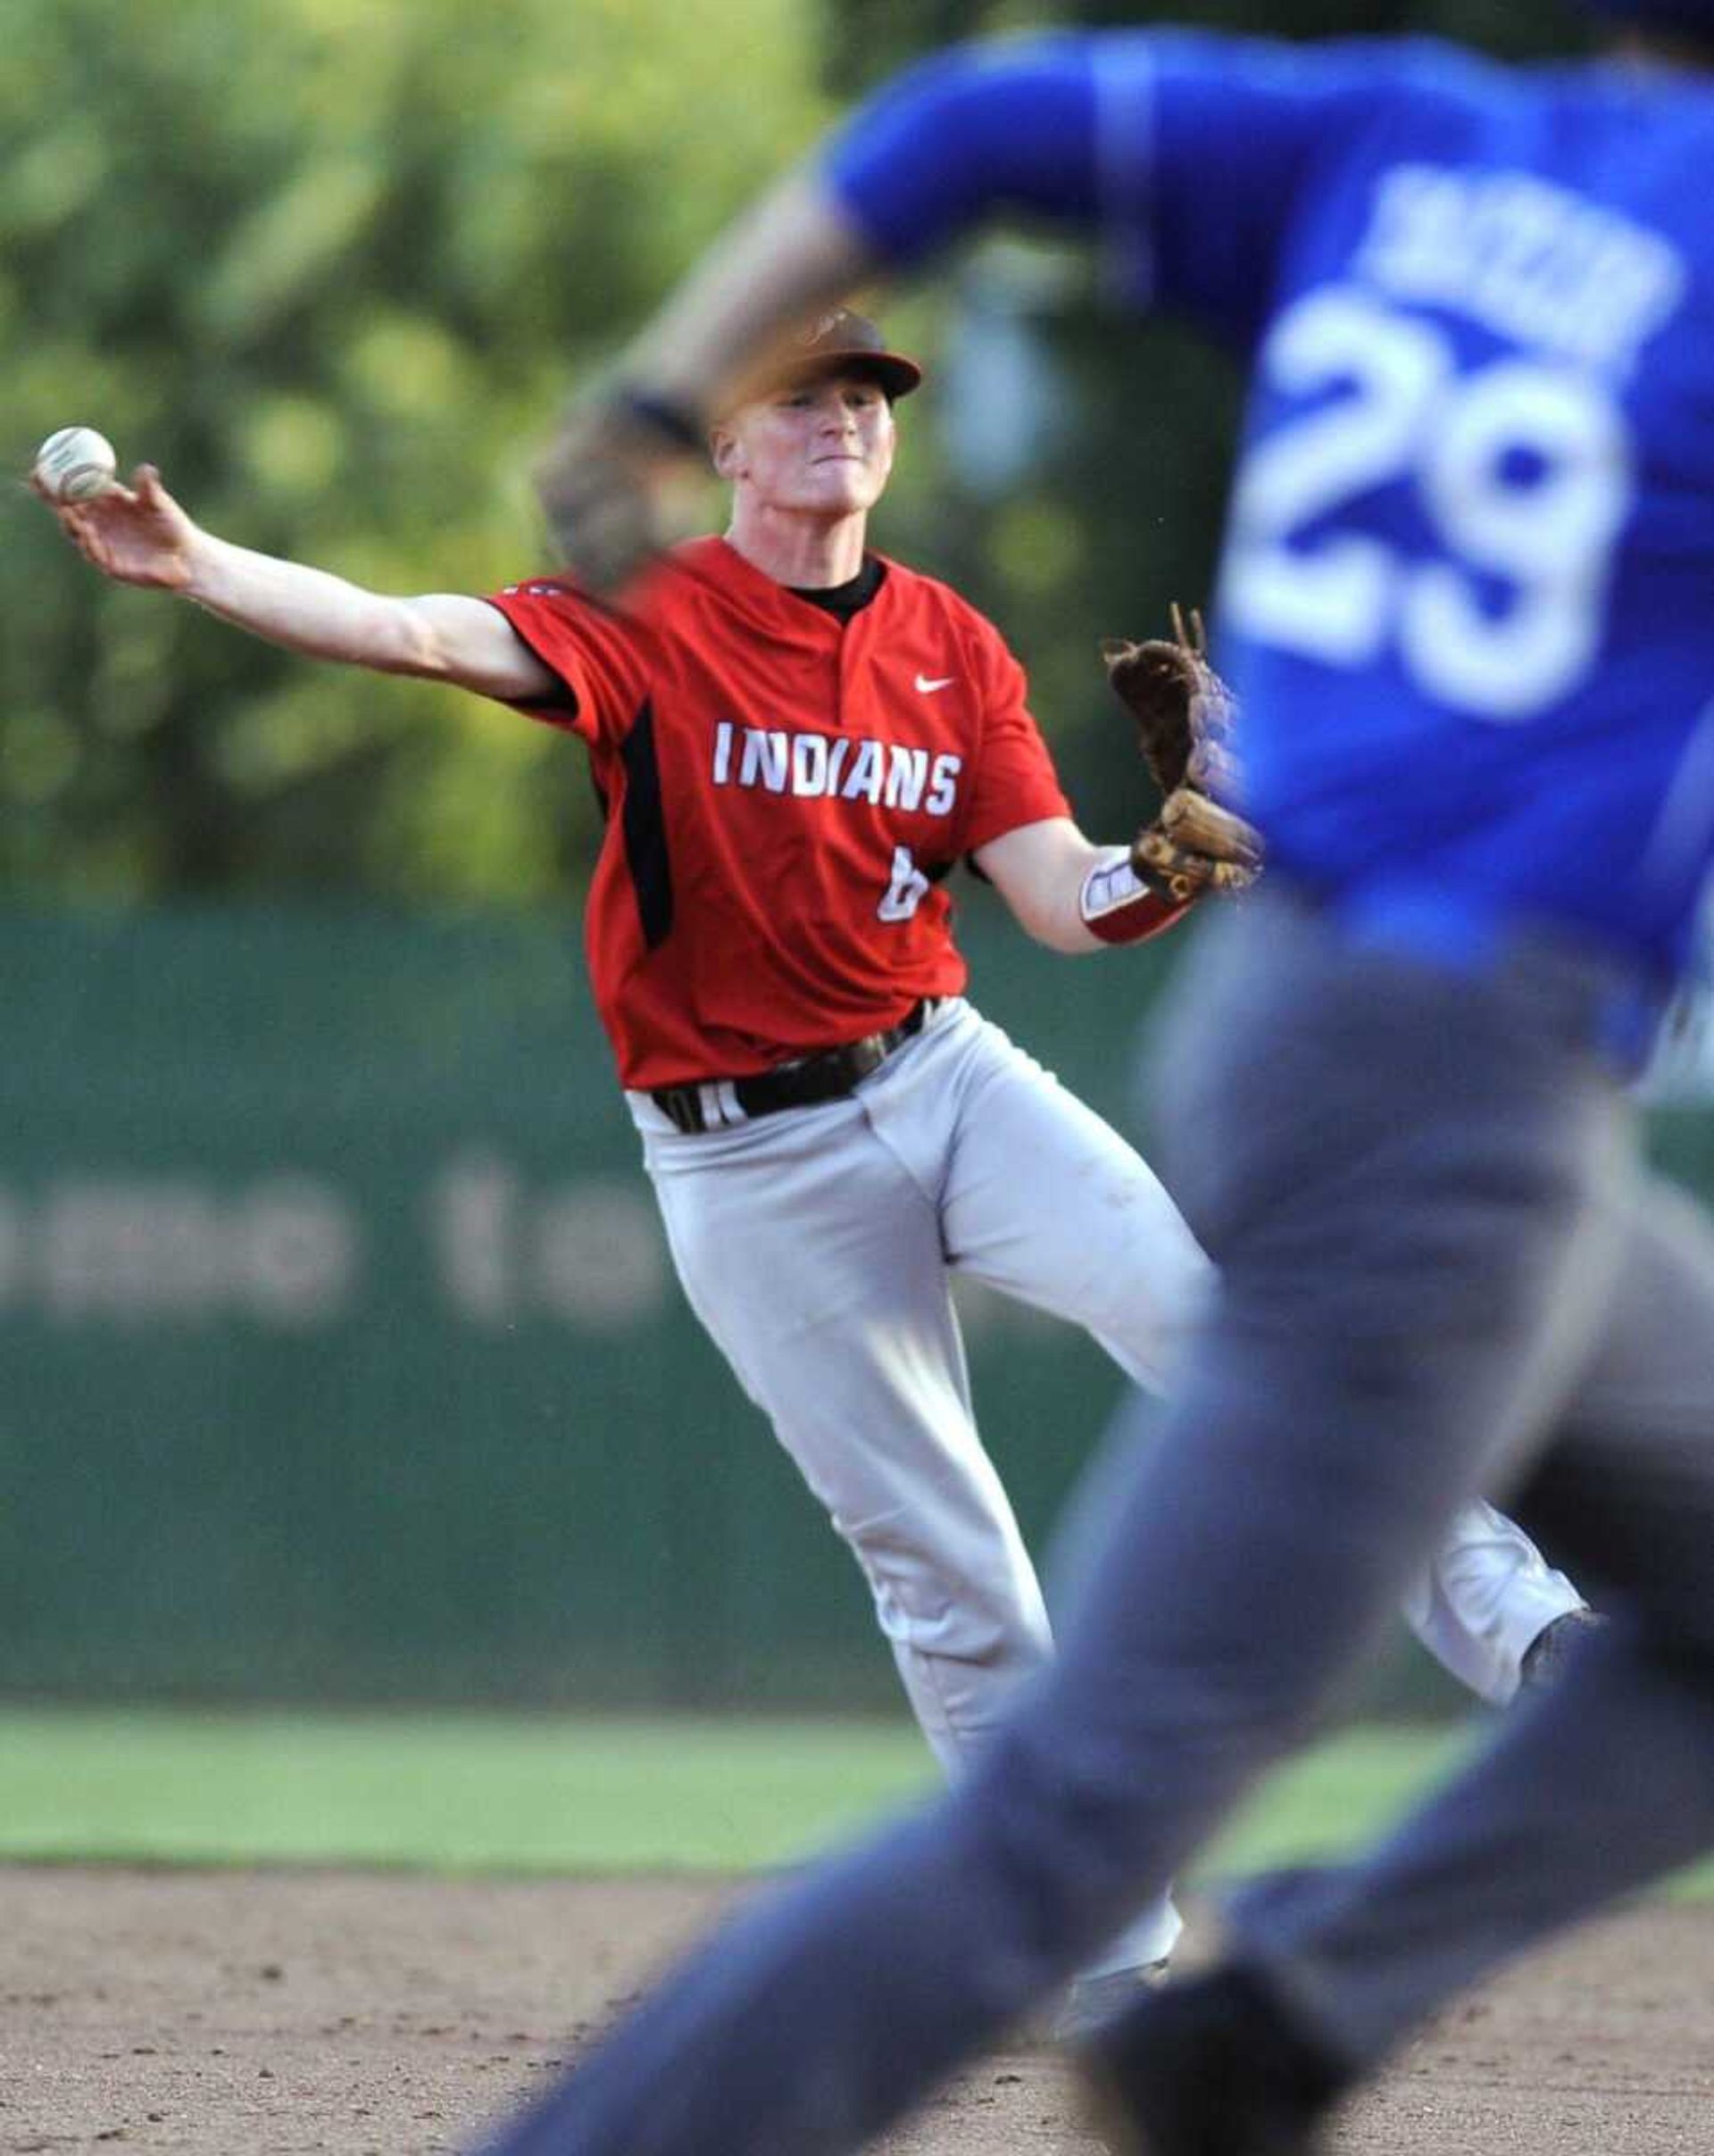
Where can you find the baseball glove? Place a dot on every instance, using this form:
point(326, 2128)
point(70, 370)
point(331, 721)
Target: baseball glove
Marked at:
point(615, 487)
point(1183, 714)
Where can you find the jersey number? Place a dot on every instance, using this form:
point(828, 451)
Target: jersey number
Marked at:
point(907, 889)
point(1523, 470)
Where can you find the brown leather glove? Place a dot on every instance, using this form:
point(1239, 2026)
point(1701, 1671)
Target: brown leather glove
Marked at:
point(1183, 714)
point(619, 483)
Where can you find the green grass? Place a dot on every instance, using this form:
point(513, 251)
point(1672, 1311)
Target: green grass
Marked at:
point(470, 1793)
point(521, 1794)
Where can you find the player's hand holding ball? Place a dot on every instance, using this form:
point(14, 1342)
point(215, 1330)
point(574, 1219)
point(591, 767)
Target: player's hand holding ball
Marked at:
point(135, 534)
point(75, 464)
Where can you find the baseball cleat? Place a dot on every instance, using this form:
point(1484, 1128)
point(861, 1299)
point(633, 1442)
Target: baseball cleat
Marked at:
point(1546, 1655)
point(1210, 2068)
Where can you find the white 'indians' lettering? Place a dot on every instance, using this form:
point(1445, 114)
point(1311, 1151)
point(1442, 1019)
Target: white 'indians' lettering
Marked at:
point(887, 774)
point(943, 784)
point(766, 759)
point(907, 774)
point(809, 765)
point(864, 779)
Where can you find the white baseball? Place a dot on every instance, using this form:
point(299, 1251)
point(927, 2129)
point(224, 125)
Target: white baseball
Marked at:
point(76, 463)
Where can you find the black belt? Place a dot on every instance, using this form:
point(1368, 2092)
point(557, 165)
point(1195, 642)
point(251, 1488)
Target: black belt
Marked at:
point(827, 1076)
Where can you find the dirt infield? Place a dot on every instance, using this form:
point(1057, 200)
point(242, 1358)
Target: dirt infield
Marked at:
point(276, 2012)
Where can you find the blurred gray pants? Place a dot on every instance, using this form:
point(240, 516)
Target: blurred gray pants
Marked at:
point(1436, 1240)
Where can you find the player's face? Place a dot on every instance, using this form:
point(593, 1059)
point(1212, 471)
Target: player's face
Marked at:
point(819, 448)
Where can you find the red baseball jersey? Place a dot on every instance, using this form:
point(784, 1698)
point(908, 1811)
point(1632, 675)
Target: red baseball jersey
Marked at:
point(783, 791)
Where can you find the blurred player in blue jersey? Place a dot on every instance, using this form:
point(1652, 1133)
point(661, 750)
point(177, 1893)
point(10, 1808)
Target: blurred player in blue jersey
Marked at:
point(1466, 599)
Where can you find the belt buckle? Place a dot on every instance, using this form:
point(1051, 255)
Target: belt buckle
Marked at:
point(805, 1080)
point(862, 1058)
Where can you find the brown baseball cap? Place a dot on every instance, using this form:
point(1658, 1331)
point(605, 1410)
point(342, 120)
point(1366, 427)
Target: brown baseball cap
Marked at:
point(840, 342)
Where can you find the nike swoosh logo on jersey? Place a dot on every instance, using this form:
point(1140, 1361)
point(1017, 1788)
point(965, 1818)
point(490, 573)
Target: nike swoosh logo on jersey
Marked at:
point(927, 688)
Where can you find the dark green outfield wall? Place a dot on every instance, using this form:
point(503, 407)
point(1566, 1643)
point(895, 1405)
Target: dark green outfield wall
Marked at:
point(342, 1359)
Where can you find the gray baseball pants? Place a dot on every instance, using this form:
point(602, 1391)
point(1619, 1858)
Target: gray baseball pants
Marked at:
point(817, 1247)
point(1439, 1253)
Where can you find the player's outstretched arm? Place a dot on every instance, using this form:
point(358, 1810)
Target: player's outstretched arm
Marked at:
point(140, 534)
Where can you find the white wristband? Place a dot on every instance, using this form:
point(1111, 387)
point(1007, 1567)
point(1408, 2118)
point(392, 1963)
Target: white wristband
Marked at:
point(1118, 906)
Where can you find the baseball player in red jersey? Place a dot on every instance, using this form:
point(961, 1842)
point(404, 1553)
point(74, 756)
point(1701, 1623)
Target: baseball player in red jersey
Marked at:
point(779, 831)
point(796, 740)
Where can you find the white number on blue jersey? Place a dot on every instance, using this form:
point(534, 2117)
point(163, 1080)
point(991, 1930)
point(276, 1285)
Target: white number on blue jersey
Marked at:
point(1523, 469)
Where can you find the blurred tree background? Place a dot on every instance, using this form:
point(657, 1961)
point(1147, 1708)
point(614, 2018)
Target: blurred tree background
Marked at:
point(334, 267)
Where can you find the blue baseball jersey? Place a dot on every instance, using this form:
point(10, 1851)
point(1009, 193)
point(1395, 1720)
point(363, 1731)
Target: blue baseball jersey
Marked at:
point(1467, 591)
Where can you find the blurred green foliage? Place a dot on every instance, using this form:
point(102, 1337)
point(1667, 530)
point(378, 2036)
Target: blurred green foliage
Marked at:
point(335, 268)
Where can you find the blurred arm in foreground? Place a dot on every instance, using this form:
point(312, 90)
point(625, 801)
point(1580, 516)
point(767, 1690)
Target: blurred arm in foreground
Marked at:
point(609, 481)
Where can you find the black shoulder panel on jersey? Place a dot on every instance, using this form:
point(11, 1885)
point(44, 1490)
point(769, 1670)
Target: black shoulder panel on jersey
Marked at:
point(645, 825)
